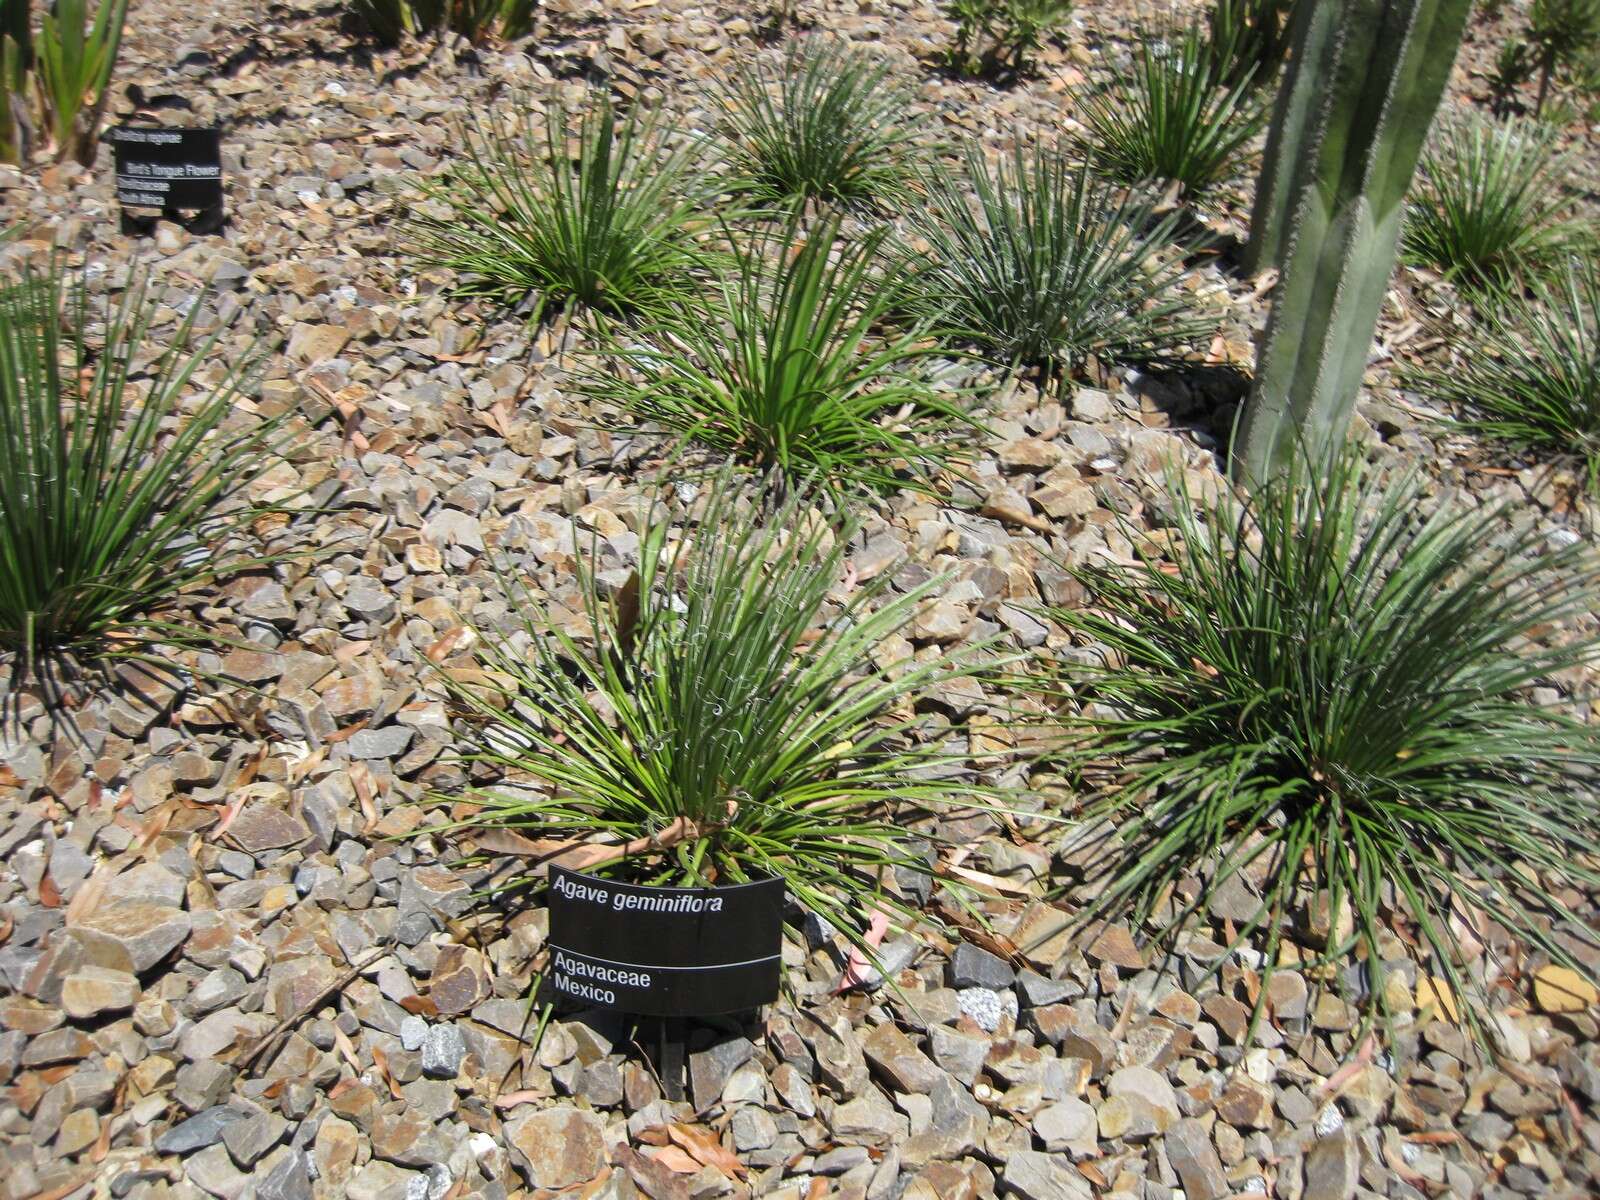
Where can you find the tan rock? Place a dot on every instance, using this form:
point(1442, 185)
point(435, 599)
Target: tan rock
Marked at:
point(132, 936)
point(348, 699)
point(1066, 501)
point(334, 1151)
point(1436, 996)
point(424, 558)
point(1333, 1012)
point(1043, 934)
point(1558, 989)
point(558, 1148)
point(314, 343)
point(151, 1075)
point(459, 979)
point(28, 1016)
point(1011, 506)
point(1246, 1104)
point(939, 621)
point(78, 1132)
point(1114, 944)
point(1030, 454)
point(93, 990)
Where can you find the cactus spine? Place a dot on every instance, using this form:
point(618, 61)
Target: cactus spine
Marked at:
point(1363, 81)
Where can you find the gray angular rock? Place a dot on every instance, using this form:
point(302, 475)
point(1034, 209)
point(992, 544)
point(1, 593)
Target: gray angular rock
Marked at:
point(1034, 1175)
point(834, 1044)
point(1195, 1160)
point(711, 1068)
point(436, 890)
point(958, 1052)
point(794, 1090)
point(840, 1160)
point(956, 1124)
point(974, 967)
point(148, 882)
point(380, 1180)
point(248, 1140)
point(220, 988)
point(867, 1119)
point(287, 1178)
point(212, 1170)
point(261, 826)
point(443, 1048)
point(391, 741)
point(1139, 1104)
point(452, 527)
point(986, 1006)
point(203, 1129)
point(210, 1037)
point(1067, 1126)
point(1038, 990)
point(753, 1128)
point(202, 1085)
point(367, 597)
point(1333, 1167)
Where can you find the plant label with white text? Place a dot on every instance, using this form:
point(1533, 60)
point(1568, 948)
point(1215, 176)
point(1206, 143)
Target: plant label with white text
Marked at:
point(663, 951)
point(168, 169)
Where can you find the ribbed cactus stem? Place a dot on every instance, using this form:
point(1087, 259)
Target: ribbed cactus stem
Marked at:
point(1363, 81)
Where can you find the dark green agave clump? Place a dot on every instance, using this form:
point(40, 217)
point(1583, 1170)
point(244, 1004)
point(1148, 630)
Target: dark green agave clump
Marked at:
point(1326, 693)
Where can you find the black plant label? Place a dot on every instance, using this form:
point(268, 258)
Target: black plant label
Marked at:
point(174, 170)
point(663, 951)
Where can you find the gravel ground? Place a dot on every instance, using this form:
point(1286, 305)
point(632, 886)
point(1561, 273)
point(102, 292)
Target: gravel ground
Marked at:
point(225, 971)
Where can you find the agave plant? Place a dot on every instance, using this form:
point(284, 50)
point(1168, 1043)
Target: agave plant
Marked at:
point(1325, 696)
point(1562, 34)
point(62, 76)
point(1530, 375)
point(115, 497)
point(1490, 209)
point(829, 126)
point(1175, 117)
point(1049, 267)
point(786, 363)
point(728, 722)
point(1248, 39)
point(1002, 35)
point(526, 224)
point(476, 20)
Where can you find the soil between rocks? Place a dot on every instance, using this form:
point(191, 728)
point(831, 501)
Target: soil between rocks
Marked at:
point(183, 876)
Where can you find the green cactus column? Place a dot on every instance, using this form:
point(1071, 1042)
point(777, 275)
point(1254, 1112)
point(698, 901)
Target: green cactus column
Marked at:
point(1363, 81)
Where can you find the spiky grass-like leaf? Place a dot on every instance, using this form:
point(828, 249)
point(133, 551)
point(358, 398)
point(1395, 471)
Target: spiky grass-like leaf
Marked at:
point(829, 126)
point(1489, 209)
point(1174, 116)
point(729, 708)
point(785, 363)
point(1326, 692)
point(114, 499)
point(1561, 35)
point(1002, 35)
point(1248, 39)
point(587, 210)
point(74, 58)
point(1530, 374)
point(1050, 266)
point(476, 20)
